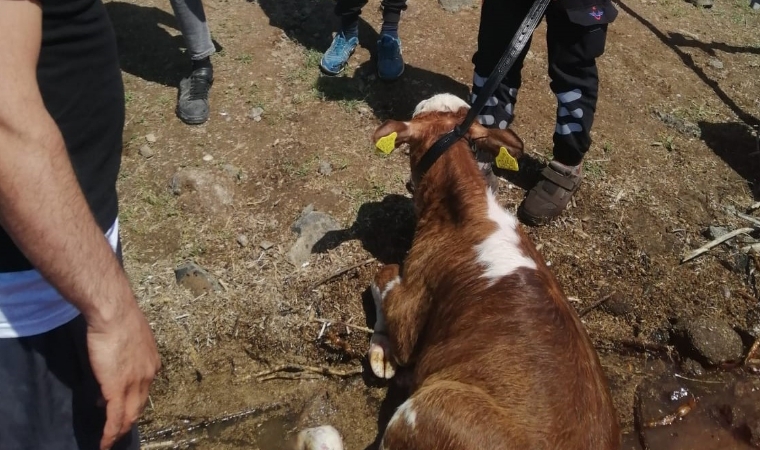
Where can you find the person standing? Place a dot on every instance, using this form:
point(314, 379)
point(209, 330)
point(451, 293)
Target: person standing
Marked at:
point(576, 36)
point(78, 355)
point(390, 63)
point(192, 100)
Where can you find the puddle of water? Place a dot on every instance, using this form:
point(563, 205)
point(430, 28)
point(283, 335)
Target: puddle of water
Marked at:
point(717, 413)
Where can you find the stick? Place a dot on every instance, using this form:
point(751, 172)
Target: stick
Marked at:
point(158, 445)
point(342, 271)
point(318, 370)
point(638, 420)
point(678, 375)
point(347, 325)
point(595, 305)
point(715, 242)
point(754, 206)
point(749, 218)
point(679, 413)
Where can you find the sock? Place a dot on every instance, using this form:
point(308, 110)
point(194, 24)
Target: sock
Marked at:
point(202, 63)
point(349, 26)
point(390, 23)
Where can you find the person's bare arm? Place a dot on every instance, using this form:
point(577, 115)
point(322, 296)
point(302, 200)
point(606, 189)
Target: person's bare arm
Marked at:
point(44, 211)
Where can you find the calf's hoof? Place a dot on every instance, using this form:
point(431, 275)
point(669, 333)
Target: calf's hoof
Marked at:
point(319, 438)
point(380, 357)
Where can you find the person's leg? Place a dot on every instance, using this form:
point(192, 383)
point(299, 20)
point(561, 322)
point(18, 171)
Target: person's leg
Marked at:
point(346, 39)
point(50, 396)
point(390, 63)
point(572, 51)
point(499, 22)
point(193, 105)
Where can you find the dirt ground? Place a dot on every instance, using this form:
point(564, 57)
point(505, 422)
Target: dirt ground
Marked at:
point(673, 152)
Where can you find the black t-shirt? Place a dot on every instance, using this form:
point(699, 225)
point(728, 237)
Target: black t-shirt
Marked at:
point(80, 80)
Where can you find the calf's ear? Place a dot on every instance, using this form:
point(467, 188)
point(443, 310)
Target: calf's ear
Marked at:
point(505, 145)
point(391, 134)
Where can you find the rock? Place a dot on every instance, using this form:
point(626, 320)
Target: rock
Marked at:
point(208, 158)
point(716, 232)
point(266, 245)
point(325, 168)
point(716, 63)
point(683, 126)
point(709, 341)
point(151, 138)
point(242, 240)
point(456, 5)
point(692, 368)
point(311, 226)
point(617, 305)
point(195, 278)
point(210, 191)
point(146, 152)
point(256, 113)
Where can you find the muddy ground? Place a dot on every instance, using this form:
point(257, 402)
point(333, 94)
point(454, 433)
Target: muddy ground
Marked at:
point(673, 154)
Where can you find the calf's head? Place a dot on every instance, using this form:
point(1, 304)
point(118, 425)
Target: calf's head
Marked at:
point(435, 117)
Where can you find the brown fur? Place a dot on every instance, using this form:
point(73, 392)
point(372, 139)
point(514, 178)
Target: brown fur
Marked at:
point(501, 366)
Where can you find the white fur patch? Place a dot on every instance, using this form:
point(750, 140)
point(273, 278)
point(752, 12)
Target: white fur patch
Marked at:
point(406, 413)
point(500, 253)
point(440, 103)
point(379, 298)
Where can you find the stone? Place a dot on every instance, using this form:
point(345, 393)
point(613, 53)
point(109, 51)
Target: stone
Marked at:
point(266, 245)
point(256, 113)
point(311, 226)
point(146, 152)
point(242, 240)
point(325, 168)
point(617, 305)
point(210, 191)
point(151, 138)
point(456, 5)
point(714, 232)
point(692, 368)
point(716, 63)
point(195, 278)
point(208, 158)
point(710, 341)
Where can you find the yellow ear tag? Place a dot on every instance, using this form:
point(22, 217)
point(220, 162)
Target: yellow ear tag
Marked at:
point(506, 161)
point(386, 144)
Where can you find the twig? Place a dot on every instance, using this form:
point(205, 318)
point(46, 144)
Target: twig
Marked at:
point(262, 376)
point(347, 325)
point(638, 420)
point(342, 271)
point(715, 242)
point(158, 445)
point(679, 413)
point(595, 305)
point(751, 353)
point(749, 218)
point(678, 375)
point(754, 206)
point(290, 376)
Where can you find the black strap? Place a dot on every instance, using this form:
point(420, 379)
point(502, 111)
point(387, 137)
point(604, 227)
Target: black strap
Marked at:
point(508, 59)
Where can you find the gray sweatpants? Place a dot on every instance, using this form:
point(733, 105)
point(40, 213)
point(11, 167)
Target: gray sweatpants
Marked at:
point(194, 28)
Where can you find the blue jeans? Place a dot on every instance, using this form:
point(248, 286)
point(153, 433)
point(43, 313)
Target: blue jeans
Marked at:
point(192, 24)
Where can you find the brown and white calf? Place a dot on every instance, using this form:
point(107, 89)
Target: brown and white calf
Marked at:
point(500, 359)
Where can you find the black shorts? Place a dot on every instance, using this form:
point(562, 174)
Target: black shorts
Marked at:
point(48, 393)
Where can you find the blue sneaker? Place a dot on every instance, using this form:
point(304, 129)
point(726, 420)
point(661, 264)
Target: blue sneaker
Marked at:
point(390, 64)
point(336, 57)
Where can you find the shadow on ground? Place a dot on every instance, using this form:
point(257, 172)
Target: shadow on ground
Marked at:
point(146, 50)
point(737, 147)
point(385, 229)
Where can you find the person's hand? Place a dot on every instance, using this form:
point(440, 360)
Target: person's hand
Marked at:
point(124, 359)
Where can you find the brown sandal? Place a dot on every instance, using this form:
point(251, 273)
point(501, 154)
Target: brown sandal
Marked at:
point(551, 195)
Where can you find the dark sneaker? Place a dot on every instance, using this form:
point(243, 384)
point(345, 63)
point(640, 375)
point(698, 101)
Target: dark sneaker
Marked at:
point(551, 195)
point(336, 57)
point(192, 104)
point(390, 64)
